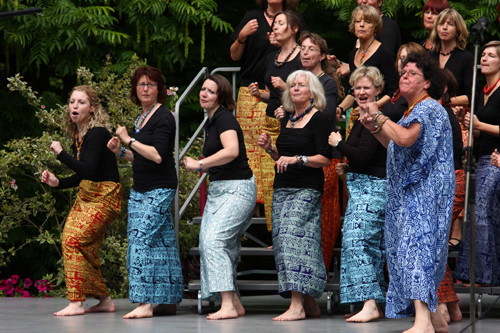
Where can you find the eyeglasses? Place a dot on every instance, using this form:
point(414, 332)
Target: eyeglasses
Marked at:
point(144, 85)
point(410, 73)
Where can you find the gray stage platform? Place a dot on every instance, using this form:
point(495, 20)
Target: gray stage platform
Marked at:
point(35, 315)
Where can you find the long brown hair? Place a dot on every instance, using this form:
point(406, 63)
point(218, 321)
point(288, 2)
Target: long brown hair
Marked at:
point(224, 91)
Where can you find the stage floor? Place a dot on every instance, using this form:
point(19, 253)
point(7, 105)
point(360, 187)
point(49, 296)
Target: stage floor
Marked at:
point(35, 315)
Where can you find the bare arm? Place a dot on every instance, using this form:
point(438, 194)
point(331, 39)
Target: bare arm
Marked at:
point(238, 47)
point(228, 153)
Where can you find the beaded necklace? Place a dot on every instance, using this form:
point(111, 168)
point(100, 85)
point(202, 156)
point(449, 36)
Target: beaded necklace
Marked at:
point(139, 120)
point(420, 99)
point(444, 54)
point(294, 120)
point(364, 52)
point(78, 145)
point(269, 16)
point(279, 63)
point(320, 74)
point(487, 90)
point(396, 96)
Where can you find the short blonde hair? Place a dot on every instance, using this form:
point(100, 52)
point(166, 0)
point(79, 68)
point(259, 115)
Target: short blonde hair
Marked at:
point(316, 88)
point(370, 72)
point(368, 13)
point(459, 23)
point(494, 44)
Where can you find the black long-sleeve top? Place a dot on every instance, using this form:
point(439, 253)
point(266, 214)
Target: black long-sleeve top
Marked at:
point(390, 36)
point(384, 61)
point(458, 144)
point(365, 154)
point(461, 64)
point(97, 163)
point(489, 114)
point(158, 132)
point(257, 47)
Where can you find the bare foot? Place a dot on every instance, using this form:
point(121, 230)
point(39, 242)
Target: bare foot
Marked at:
point(439, 323)
point(454, 311)
point(225, 312)
point(311, 308)
point(418, 329)
point(291, 314)
point(165, 310)
point(349, 315)
point(369, 312)
point(443, 310)
point(73, 309)
point(105, 304)
point(144, 310)
point(238, 306)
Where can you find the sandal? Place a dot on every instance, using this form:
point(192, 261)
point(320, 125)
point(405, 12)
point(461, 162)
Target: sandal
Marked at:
point(454, 247)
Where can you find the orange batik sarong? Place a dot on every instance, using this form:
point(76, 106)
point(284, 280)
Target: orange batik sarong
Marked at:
point(96, 206)
point(251, 115)
point(330, 213)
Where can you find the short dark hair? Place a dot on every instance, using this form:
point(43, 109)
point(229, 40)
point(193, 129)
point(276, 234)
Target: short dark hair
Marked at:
point(224, 91)
point(287, 4)
point(154, 75)
point(451, 86)
point(436, 6)
point(431, 71)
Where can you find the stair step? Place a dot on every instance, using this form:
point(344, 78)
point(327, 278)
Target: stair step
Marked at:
point(257, 285)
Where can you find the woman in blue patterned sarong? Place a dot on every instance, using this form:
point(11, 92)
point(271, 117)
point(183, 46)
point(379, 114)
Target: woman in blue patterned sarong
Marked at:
point(487, 207)
point(362, 258)
point(153, 263)
point(231, 197)
point(420, 193)
point(301, 152)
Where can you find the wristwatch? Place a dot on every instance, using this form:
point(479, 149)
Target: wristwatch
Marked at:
point(130, 142)
point(302, 159)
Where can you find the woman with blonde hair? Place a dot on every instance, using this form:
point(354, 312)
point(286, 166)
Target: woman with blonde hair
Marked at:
point(301, 153)
point(97, 204)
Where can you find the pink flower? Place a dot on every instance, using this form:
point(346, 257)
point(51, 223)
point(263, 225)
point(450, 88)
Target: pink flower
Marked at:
point(27, 283)
point(14, 278)
point(26, 294)
point(43, 107)
point(9, 293)
point(42, 288)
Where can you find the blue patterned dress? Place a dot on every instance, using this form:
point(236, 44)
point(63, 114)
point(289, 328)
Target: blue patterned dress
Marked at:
point(420, 193)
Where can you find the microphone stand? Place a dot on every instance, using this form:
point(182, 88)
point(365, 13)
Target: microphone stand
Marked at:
point(478, 39)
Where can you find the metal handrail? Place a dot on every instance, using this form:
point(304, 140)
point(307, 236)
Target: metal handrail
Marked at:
point(202, 74)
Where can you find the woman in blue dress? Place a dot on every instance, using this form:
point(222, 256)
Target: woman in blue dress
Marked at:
point(420, 193)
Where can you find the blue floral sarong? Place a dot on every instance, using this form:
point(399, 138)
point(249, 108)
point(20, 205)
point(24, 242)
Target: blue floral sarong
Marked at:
point(296, 229)
point(154, 267)
point(487, 212)
point(227, 215)
point(362, 258)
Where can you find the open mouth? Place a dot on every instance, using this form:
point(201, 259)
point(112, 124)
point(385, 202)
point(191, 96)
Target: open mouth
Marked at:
point(363, 99)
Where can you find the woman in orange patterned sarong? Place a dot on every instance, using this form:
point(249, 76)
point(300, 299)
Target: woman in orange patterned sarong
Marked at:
point(97, 204)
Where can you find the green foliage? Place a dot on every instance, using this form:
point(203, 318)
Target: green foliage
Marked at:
point(33, 214)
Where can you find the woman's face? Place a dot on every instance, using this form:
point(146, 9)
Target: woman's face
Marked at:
point(147, 90)
point(282, 31)
point(209, 96)
point(300, 92)
point(490, 61)
point(402, 56)
point(310, 54)
point(428, 18)
point(447, 30)
point(79, 108)
point(363, 27)
point(412, 80)
point(374, 3)
point(365, 91)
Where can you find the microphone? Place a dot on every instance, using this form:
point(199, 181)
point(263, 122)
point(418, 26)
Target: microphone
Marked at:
point(480, 25)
